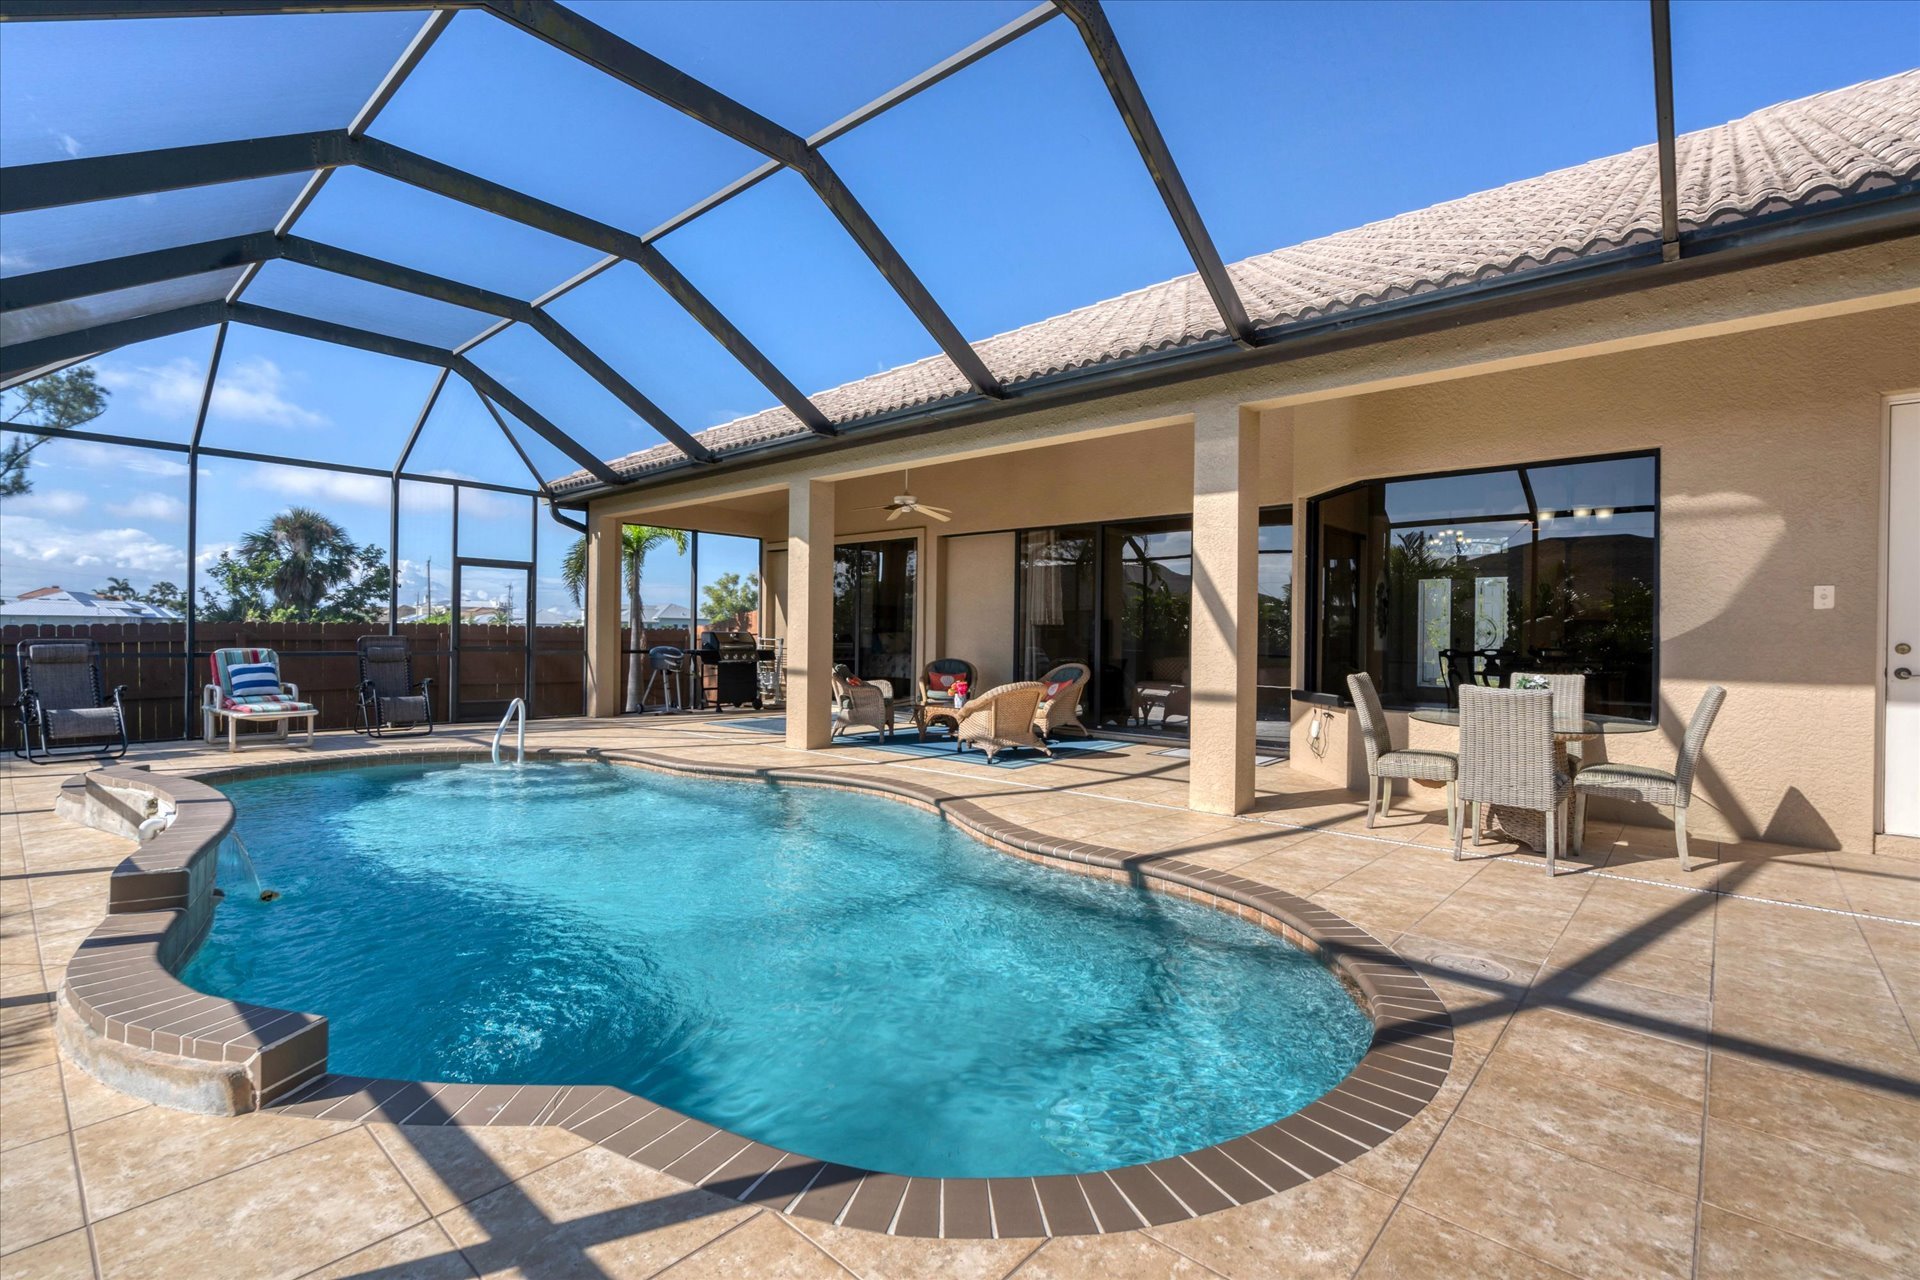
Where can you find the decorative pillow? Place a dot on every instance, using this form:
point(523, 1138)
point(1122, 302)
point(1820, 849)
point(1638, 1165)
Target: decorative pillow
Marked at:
point(1531, 682)
point(940, 680)
point(1055, 686)
point(253, 680)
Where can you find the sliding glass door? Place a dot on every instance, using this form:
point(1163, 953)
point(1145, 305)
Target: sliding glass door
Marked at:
point(874, 591)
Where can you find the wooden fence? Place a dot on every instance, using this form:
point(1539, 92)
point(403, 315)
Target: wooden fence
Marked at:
point(150, 659)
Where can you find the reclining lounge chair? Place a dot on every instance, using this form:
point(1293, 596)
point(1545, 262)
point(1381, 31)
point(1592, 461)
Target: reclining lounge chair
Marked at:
point(63, 710)
point(247, 686)
point(391, 700)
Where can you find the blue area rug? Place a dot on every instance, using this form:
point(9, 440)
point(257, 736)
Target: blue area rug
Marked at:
point(759, 724)
point(940, 747)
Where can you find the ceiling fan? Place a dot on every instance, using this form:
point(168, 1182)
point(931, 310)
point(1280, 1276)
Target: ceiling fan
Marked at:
point(904, 502)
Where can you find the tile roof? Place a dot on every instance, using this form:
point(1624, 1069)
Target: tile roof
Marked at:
point(1782, 157)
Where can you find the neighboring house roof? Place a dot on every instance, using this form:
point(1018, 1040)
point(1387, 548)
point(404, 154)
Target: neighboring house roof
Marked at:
point(653, 613)
point(1787, 156)
point(57, 604)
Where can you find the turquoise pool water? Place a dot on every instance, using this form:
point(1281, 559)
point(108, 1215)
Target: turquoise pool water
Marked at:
point(835, 974)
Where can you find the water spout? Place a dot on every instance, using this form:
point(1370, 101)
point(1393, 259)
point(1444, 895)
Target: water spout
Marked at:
point(235, 866)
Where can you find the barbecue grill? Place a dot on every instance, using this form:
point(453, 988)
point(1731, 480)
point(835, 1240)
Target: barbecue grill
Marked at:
point(729, 672)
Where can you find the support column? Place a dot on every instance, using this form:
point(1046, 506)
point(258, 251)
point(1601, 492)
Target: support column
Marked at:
point(1226, 532)
point(604, 659)
point(809, 613)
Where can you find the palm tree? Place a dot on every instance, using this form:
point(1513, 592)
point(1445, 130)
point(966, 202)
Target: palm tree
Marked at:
point(310, 554)
point(635, 541)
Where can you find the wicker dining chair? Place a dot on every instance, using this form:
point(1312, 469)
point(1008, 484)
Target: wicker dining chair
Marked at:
point(64, 703)
point(1385, 762)
point(1060, 705)
point(861, 702)
point(1507, 757)
point(1652, 786)
point(1569, 690)
point(1002, 717)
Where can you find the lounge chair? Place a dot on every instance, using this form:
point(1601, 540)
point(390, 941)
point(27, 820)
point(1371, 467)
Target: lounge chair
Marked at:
point(1648, 785)
point(391, 700)
point(1385, 762)
point(62, 704)
point(246, 686)
point(1060, 705)
point(1002, 717)
point(861, 702)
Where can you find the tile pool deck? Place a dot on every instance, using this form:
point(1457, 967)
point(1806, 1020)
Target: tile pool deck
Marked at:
point(1654, 1074)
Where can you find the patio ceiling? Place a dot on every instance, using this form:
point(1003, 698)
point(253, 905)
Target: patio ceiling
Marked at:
point(173, 224)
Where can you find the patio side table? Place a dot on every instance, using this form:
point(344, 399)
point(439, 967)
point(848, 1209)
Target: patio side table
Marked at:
point(936, 709)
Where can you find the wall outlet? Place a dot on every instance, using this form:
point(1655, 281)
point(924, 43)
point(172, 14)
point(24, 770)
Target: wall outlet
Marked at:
point(1823, 597)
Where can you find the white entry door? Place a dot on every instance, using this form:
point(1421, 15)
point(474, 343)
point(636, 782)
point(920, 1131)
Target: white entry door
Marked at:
point(1902, 790)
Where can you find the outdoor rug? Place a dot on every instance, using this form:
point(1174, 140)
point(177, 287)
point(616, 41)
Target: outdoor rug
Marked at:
point(1186, 753)
point(759, 724)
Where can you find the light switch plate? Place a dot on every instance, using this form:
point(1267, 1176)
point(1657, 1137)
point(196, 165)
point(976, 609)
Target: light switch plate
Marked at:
point(1823, 597)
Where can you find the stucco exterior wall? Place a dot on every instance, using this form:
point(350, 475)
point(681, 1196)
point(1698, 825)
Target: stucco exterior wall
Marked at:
point(1770, 462)
point(977, 581)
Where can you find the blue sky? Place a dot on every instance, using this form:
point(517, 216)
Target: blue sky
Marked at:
point(1012, 189)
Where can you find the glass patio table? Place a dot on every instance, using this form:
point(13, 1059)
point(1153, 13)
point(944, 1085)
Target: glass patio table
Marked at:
point(1525, 826)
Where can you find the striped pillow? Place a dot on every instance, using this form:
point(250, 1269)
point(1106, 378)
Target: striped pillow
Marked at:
point(253, 680)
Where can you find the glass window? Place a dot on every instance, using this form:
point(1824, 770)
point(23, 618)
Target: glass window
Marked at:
point(1426, 597)
point(874, 595)
point(55, 318)
point(1273, 685)
point(1058, 579)
point(98, 88)
point(1146, 614)
point(508, 107)
point(42, 239)
point(299, 398)
point(360, 304)
point(1070, 216)
point(366, 213)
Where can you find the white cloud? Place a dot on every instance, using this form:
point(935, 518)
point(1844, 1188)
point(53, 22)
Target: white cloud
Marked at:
point(150, 506)
point(68, 143)
point(330, 486)
point(210, 555)
point(110, 457)
point(253, 389)
point(42, 553)
point(48, 502)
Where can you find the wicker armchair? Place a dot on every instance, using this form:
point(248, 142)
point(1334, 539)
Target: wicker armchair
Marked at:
point(1060, 704)
point(1507, 757)
point(937, 680)
point(1003, 717)
point(1652, 786)
point(1385, 762)
point(861, 702)
point(64, 703)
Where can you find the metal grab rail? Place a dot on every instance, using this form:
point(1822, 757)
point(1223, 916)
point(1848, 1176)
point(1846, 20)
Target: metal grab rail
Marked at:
point(517, 707)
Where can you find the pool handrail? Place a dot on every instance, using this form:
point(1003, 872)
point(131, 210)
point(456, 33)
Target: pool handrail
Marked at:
point(516, 708)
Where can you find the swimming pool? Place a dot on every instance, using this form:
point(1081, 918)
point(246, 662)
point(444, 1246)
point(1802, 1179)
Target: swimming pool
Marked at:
point(830, 973)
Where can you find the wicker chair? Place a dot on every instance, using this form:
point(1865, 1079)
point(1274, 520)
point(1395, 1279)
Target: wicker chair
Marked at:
point(1507, 757)
point(861, 702)
point(1569, 692)
point(391, 700)
point(1385, 762)
point(1060, 705)
point(62, 702)
point(937, 680)
point(1003, 717)
point(1652, 786)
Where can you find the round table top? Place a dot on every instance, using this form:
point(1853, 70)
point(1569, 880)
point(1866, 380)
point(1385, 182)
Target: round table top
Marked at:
point(1582, 726)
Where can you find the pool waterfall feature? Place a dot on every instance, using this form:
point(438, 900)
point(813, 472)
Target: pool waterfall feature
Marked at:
point(1405, 1065)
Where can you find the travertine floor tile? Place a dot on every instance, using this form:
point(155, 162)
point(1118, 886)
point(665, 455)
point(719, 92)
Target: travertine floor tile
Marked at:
point(156, 1151)
point(1107, 1257)
point(1419, 1246)
point(1321, 1228)
point(761, 1246)
point(64, 1257)
point(40, 1191)
point(1842, 1203)
point(418, 1253)
point(447, 1165)
point(31, 1106)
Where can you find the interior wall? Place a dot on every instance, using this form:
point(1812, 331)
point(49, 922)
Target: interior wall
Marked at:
point(1770, 462)
point(978, 604)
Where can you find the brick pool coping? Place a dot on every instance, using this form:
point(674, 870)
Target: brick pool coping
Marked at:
point(122, 984)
